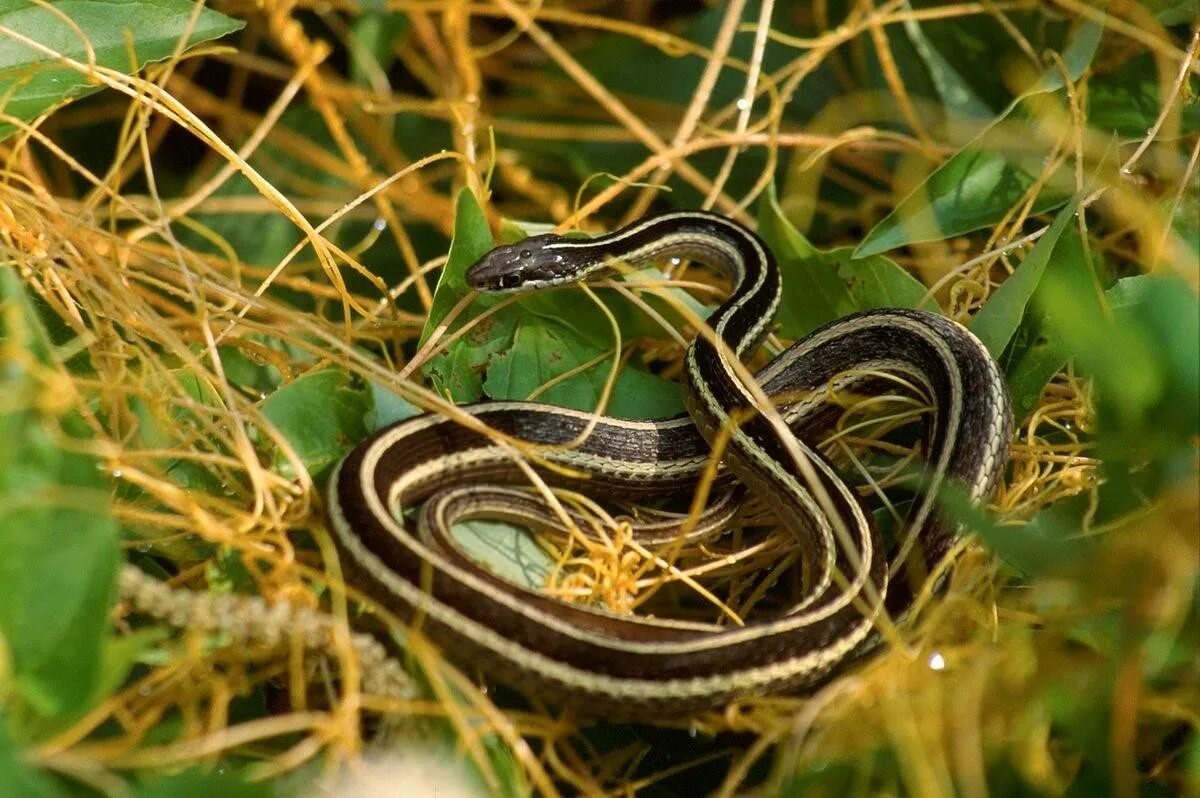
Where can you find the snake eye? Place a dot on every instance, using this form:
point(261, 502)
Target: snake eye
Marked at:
point(525, 253)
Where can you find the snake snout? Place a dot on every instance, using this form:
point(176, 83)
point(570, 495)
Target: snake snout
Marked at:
point(523, 265)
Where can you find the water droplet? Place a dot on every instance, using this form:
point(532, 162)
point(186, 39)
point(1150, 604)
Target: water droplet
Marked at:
point(116, 473)
point(380, 224)
point(743, 104)
point(937, 662)
point(676, 261)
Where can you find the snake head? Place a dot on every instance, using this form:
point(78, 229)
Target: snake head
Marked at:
point(526, 265)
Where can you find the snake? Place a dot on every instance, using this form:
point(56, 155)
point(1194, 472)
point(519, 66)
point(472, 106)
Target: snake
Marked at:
point(392, 499)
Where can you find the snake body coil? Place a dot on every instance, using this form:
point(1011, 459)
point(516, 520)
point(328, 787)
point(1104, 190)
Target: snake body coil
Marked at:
point(645, 666)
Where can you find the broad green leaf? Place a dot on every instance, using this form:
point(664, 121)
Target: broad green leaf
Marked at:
point(972, 190)
point(956, 94)
point(1144, 359)
point(996, 322)
point(1166, 308)
point(509, 552)
point(32, 81)
point(251, 374)
point(18, 778)
point(458, 372)
point(1142, 350)
point(779, 233)
point(321, 415)
point(59, 539)
point(261, 239)
point(1121, 357)
point(60, 558)
point(987, 177)
point(198, 783)
point(1035, 361)
point(541, 351)
point(1076, 56)
point(159, 427)
point(642, 395)
point(1128, 100)
point(558, 331)
point(820, 286)
point(472, 239)
point(1038, 547)
point(1130, 291)
point(544, 349)
point(973, 45)
point(387, 407)
point(1037, 352)
point(226, 572)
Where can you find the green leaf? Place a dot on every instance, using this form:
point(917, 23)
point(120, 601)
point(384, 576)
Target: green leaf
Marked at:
point(778, 232)
point(1129, 100)
point(1172, 12)
point(642, 395)
point(1166, 309)
point(820, 286)
point(997, 320)
point(321, 415)
point(1119, 356)
point(987, 177)
point(544, 349)
point(17, 778)
point(508, 551)
point(1039, 547)
point(972, 190)
point(1076, 56)
point(200, 784)
point(472, 240)
point(1143, 355)
point(59, 539)
point(32, 81)
point(261, 239)
point(1038, 352)
point(1035, 362)
point(375, 36)
point(387, 407)
point(456, 372)
point(227, 573)
point(956, 94)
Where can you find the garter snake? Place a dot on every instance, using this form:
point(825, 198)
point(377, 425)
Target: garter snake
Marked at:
point(640, 665)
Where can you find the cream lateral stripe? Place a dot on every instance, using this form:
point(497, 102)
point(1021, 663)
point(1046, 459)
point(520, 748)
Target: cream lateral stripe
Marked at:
point(542, 645)
point(489, 592)
point(748, 284)
point(588, 682)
